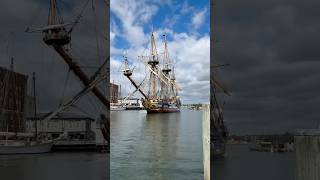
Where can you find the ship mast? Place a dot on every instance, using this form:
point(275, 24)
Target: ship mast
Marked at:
point(53, 18)
point(128, 73)
point(166, 70)
point(174, 92)
point(153, 62)
point(56, 35)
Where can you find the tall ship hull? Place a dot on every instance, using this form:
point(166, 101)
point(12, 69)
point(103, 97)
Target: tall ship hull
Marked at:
point(218, 147)
point(218, 135)
point(160, 107)
point(162, 110)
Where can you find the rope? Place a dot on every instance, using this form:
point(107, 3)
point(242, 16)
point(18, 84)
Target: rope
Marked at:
point(82, 110)
point(10, 44)
point(64, 88)
point(79, 16)
point(96, 30)
point(60, 19)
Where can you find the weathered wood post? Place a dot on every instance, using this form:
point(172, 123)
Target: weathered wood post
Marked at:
point(307, 152)
point(206, 140)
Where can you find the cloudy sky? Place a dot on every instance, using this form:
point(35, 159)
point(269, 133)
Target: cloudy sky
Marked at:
point(272, 47)
point(31, 54)
point(274, 78)
point(187, 26)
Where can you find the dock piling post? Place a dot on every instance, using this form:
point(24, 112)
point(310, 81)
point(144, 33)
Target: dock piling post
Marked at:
point(206, 140)
point(307, 153)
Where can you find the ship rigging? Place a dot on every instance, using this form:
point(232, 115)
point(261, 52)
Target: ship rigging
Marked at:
point(162, 90)
point(57, 34)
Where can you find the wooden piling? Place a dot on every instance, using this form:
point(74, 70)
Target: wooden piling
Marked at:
point(307, 153)
point(206, 140)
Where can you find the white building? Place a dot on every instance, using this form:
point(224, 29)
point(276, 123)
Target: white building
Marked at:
point(131, 103)
point(76, 126)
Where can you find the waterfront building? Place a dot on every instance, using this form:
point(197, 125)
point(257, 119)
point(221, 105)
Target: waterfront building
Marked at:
point(13, 90)
point(131, 103)
point(114, 92)
point(76, 127)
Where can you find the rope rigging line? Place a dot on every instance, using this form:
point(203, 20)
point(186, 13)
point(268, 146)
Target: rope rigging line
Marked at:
point(33, 18)
point(96, 30)
point(82, 110)
point(79, 16)
point(60, 19)
point(10, 44)
point(64, 88)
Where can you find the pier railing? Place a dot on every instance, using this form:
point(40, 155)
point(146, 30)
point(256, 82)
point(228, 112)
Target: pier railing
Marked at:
point(206, 140)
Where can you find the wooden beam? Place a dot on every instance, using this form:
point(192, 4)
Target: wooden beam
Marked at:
point(81, 75)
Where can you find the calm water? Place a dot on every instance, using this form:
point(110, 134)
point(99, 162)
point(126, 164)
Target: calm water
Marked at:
point(55, 166)
point(242, 164)
point(156, 146)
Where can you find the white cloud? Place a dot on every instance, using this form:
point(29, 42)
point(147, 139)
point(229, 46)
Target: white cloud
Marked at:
point(198, 19)
point(193, 58)
point(186, 8)
point(133, 15)
point(113, 31)
point(171, 21)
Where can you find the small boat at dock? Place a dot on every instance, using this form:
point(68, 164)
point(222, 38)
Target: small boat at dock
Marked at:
point(117, 107)
point(25, 147)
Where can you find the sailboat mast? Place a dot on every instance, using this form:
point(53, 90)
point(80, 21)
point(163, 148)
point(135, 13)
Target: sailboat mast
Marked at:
point(13, 115)
point(119, 90)
point(35, 103)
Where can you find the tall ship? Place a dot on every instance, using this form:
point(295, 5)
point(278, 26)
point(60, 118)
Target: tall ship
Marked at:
point(219, 132)
point(57, 35)
point(160, 91)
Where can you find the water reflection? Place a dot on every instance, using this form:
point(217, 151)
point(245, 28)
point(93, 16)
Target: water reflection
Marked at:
point(156, 146)
point(240, 163)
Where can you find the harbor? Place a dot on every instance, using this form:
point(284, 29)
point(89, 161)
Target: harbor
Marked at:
point(26, 130)
point(156, 146)
point(22, 125)
point(268, 128)
point(61, 113)
point(57, 165)
point(258, 165)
